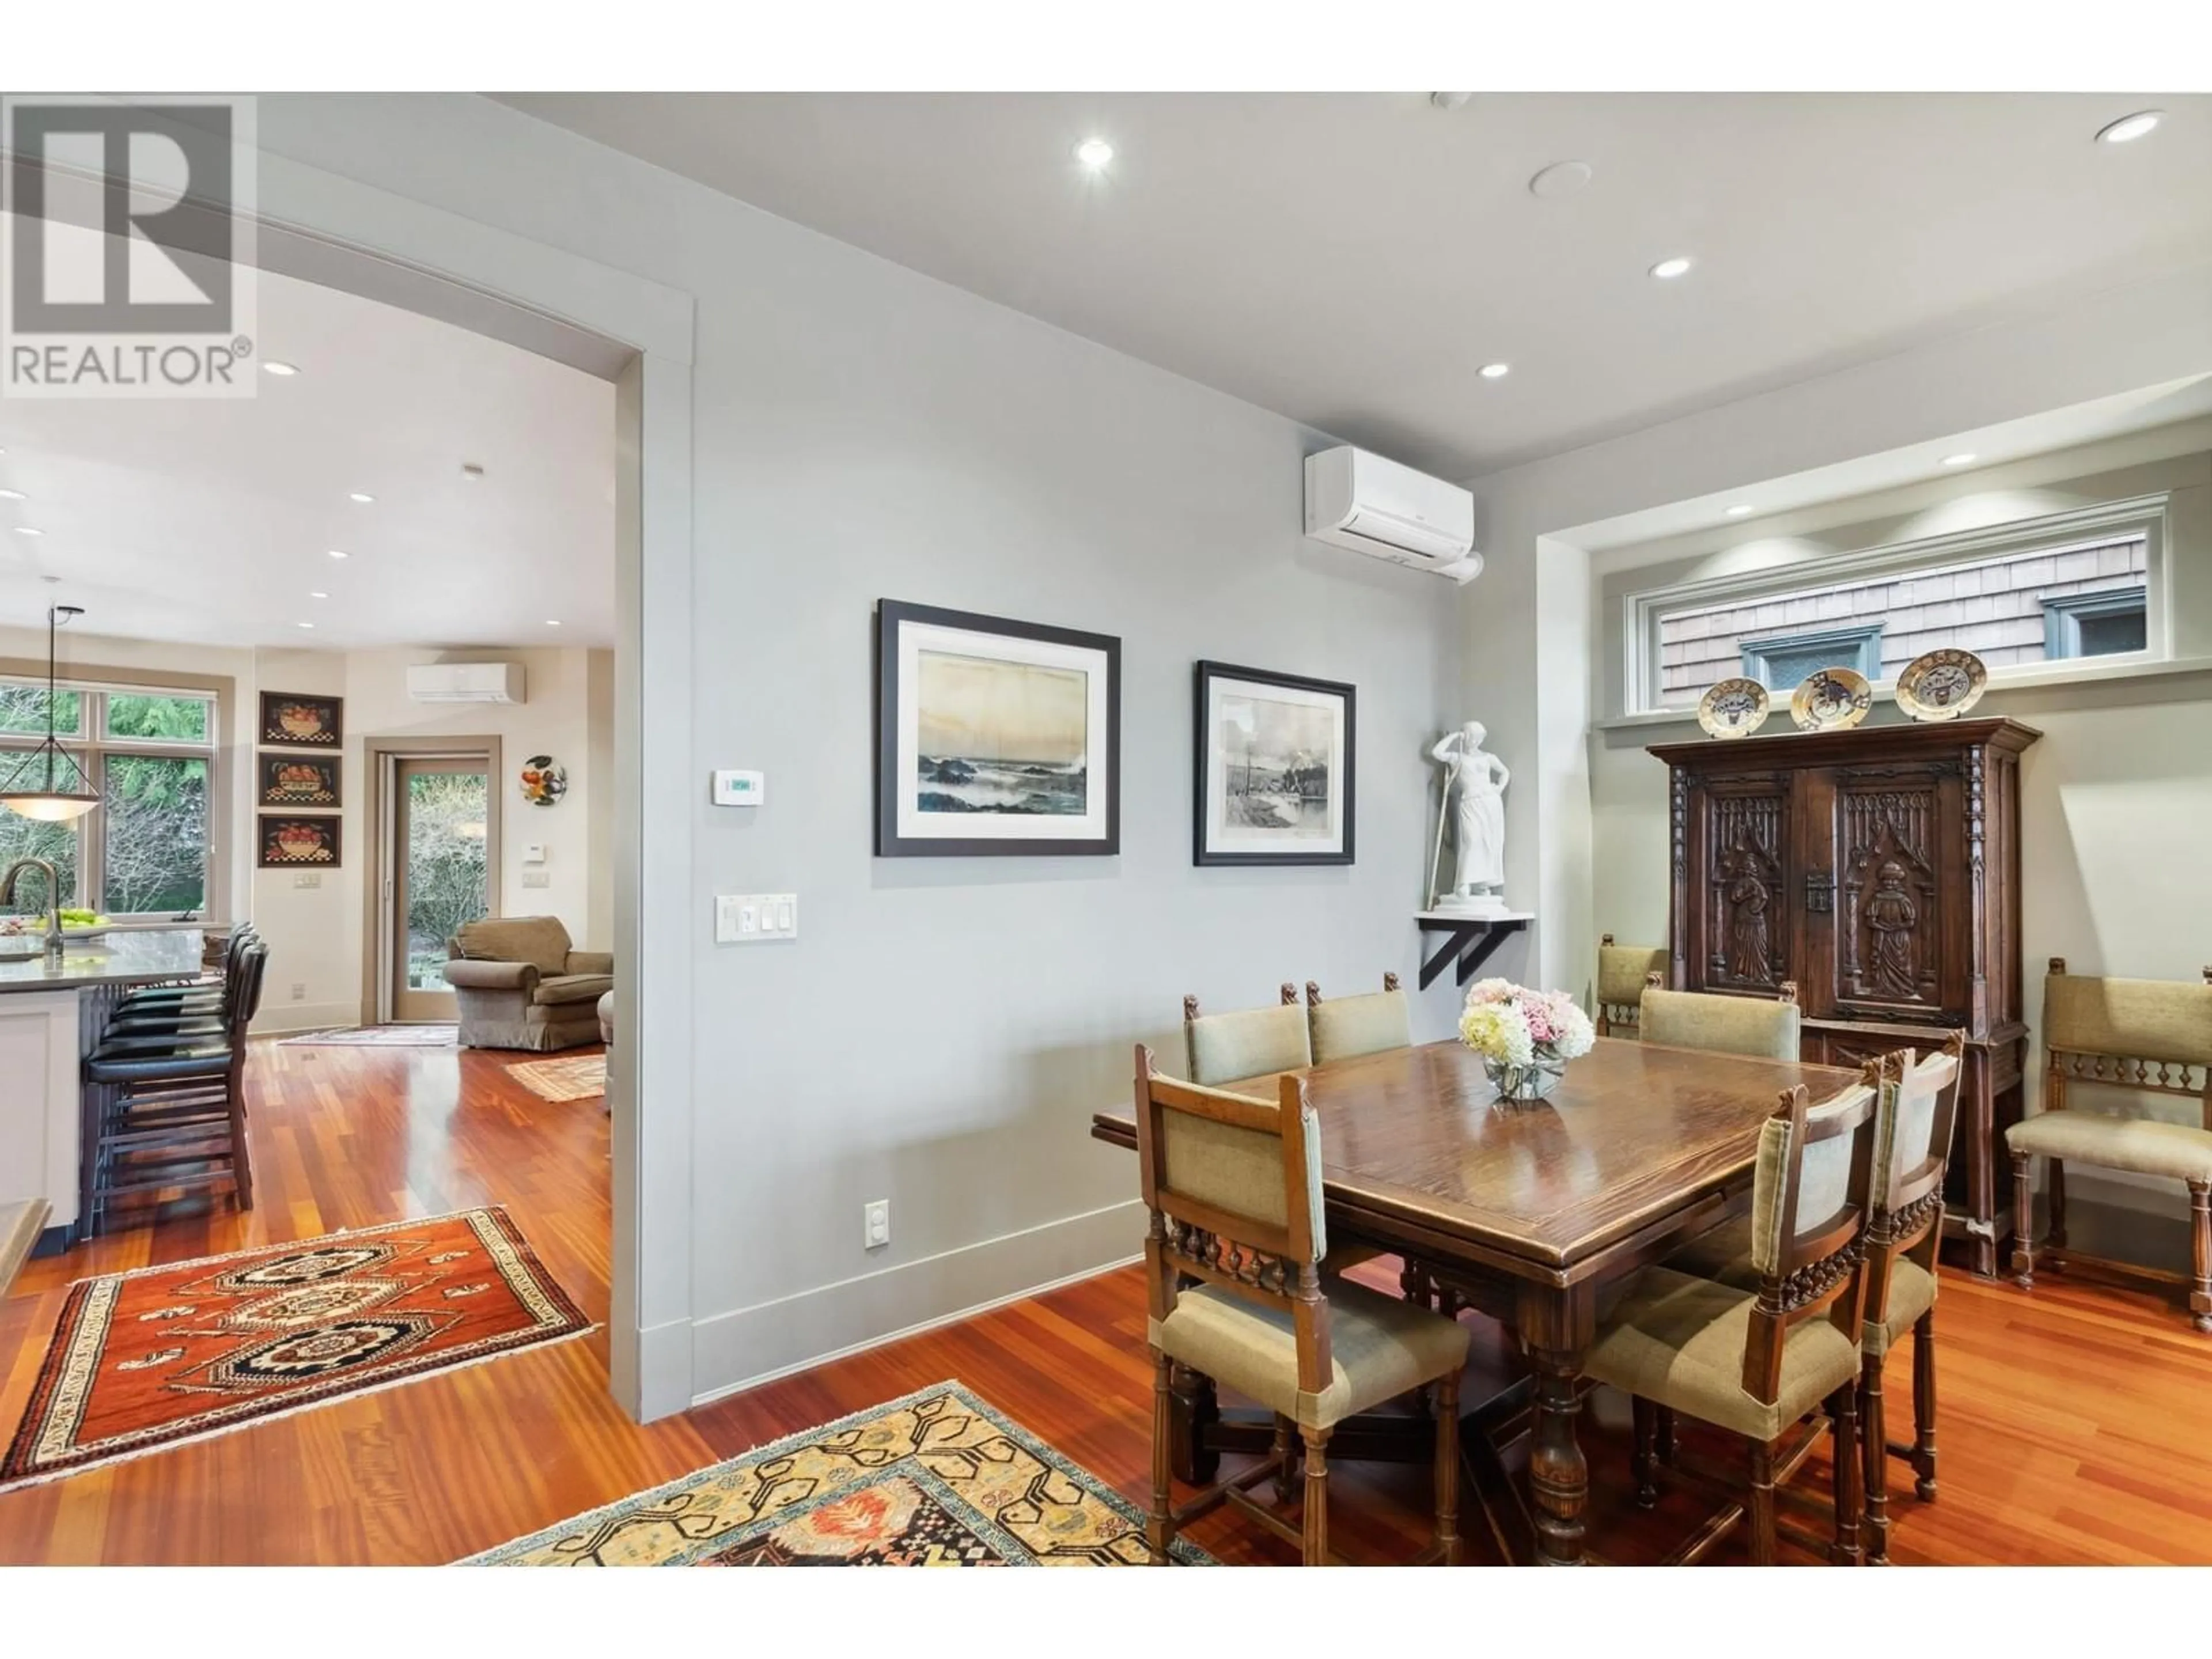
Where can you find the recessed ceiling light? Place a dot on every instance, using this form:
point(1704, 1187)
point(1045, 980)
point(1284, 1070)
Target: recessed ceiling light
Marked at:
point(317, 593)
point(1560, 179)
point(25, 530)
point(13, 495)
point(551, 623)
point(1094, 153)
point(336, 554)
point(1666, 270)
point(1495, 370)
point(1957, 461)
point(283, 371)
point(363, 496)
point(306, 624)
point(2128, 128)
point(1741, 509)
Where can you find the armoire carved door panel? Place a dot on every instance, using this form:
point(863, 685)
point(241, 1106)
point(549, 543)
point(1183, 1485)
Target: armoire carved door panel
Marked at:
point(1745, 851)
point(1883, 943)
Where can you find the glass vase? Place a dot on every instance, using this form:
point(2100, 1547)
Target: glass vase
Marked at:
point(1520, 1084)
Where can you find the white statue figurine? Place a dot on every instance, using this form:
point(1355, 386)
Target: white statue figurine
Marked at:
point(1477, 779)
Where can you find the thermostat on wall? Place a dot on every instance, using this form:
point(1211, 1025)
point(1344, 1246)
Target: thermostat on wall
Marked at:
point(740, 788)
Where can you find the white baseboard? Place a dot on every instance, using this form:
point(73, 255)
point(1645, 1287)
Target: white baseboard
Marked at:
point(747, 1346)
point(284, 1018)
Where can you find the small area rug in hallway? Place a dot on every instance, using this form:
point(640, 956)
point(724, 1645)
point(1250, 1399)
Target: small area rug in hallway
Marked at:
point(935, 1479)
point(378, 1037)
point(145, 1360)
point(563, 1079)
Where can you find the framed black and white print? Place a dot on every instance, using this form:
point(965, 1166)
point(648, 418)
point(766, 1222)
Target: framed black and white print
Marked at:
point(1275, 776)
point(993, 738)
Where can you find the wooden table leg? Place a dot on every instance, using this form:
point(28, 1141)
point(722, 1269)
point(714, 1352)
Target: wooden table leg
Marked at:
point(1558, 1475)
point(1193, 1409)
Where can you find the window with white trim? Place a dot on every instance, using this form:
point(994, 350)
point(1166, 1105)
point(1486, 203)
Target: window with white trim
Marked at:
point(148, 850)
point(2074, 586)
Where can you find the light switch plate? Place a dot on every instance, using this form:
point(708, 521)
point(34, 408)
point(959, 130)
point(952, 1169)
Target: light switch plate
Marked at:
point(755, 918)
point(533, 851)
point(306, 878)
point(740, 788)
point(537, 877)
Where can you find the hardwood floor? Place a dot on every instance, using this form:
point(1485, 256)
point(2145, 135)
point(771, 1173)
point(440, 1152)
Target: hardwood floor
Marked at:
point(2076, 1421)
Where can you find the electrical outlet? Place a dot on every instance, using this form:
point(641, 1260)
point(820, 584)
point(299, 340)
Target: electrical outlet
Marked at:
point(299, 991)
point(876, 1224)
point(306, 878)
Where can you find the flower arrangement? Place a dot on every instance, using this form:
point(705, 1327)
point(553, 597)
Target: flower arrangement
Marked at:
point(1525, 1037)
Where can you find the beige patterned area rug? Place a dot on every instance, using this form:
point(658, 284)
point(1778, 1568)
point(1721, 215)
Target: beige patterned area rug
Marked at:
point(936, 1480)
point(579, 1079)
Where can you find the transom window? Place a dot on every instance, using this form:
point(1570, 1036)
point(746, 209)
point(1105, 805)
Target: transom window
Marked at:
point(148, 850)
point(2076, 586)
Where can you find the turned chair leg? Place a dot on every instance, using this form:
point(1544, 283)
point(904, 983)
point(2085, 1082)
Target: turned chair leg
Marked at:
point(1874, 1458)
point(1848, 1490)
point(1159, 1526)
point(2023, 1220)
point(1286, 1449)
point(2200, 1254)
point(1316, 1516)
point(1643, 1463)
point(1447, 1474)
point(1923, 1407)
point(1761, 1514)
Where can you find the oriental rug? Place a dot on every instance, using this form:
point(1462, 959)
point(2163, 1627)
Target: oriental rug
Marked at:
point(376, 1036)
point(935, 1479)
point(145, 1360)
point(580, 1078)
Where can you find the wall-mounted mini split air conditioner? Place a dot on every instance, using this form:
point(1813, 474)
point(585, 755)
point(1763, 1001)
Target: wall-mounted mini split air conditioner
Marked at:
point(1386, 511)
point(465, 682)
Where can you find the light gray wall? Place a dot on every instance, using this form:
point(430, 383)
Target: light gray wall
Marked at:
point(942, 1030)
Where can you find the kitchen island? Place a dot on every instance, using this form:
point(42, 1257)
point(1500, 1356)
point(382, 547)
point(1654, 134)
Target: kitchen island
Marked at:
point(52, 1012)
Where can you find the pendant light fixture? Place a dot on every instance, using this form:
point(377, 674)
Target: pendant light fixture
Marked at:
point(48, 783)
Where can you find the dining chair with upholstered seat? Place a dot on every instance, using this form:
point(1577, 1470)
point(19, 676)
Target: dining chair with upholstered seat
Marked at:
point(1914, 1117)
point(1351, 1026)
point(1233, 1185)
point(1761, 1027)
point(1252, 1042)
point(2138, 1036)
point(1763, 1364)
point(1623, 972)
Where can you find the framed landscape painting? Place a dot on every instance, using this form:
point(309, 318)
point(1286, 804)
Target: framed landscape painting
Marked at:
point(1276, 778)
point(994, 738)
point(300, 721)
point(298, 780)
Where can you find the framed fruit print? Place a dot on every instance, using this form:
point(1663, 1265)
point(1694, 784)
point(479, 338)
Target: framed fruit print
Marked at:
point(287, 842)
point(994, 738)
point(298, 779)
point(296, 721)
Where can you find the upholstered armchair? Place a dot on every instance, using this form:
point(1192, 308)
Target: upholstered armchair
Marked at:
point(518, 985)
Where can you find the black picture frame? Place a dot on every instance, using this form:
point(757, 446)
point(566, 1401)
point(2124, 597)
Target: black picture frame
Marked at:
point(270, 856)
point(1101, 757)
point(331, 711)
point(328, 792)
point(1204, 849)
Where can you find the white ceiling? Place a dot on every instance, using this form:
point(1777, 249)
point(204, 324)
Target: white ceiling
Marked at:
point(1351, 259)
point(211, 521)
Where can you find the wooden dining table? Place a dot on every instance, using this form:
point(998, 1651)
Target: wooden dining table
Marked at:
point(1530, 1213)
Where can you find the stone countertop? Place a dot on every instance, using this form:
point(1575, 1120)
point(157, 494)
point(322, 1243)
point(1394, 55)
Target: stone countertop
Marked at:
point(141, 957)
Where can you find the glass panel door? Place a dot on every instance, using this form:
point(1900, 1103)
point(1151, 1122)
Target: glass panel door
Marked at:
point(440, 878)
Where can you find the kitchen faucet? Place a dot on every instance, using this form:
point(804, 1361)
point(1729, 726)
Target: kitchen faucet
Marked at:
point(53, 898)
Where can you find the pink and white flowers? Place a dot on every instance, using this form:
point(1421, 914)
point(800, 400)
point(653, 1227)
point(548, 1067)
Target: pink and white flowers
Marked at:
point(1513, 1025)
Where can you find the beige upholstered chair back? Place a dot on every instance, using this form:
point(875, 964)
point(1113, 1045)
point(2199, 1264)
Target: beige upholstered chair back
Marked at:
point(541, 941)
point(1913, 1127)
point(1622, 971)
point(2153, 1036)
point(1234, 1186)
point(1351, 1026)
point(1224, 1048)
point(1722, 1024)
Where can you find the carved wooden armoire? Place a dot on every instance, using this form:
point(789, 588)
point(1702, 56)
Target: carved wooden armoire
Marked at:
point(1878, 870)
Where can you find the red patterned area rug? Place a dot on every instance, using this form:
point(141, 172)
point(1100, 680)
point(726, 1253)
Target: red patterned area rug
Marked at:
point(935, 1479)
point(146, 1360)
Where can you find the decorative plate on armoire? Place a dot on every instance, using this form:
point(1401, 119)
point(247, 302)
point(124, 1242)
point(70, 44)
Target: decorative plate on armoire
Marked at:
point(1733, 709)
point(1831, 699)
point(1942, 684)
